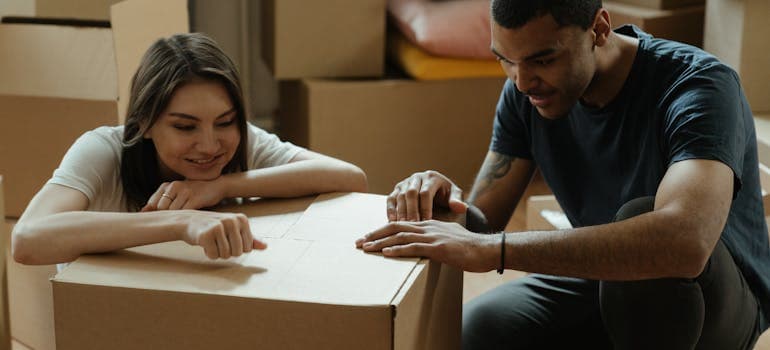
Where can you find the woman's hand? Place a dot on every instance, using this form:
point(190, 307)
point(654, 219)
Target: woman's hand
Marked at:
point(221, 235)
point(186, 194)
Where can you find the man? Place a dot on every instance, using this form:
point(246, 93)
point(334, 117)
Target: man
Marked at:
point(649, 147)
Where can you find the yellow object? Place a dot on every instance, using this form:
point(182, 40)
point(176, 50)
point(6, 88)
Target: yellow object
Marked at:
point(424, 66)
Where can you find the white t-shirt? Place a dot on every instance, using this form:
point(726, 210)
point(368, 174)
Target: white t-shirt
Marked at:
point(92, 164)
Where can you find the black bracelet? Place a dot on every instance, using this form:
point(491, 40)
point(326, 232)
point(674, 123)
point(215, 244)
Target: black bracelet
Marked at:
point(502, 256)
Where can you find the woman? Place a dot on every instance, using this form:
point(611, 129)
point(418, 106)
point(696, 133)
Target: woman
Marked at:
point(185, 145)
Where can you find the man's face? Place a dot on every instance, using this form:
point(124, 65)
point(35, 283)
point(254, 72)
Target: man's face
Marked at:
point(552, 65)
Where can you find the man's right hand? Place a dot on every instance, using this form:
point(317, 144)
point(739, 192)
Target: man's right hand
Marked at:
point(414, 198)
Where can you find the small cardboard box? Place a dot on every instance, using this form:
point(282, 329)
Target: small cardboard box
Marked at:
point(74, 9)
point(393, 128)
point(737, 32)
point(137, 24)
point(311, 289)
point(682, 24)
point(662, 4)
point(58, 82)
point(332, 38)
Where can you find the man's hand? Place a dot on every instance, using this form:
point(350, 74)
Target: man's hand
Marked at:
point(440, 241)
point(186, 195)
point(414, 198)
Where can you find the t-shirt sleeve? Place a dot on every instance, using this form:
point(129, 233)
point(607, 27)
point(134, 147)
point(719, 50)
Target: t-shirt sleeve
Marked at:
point(267, 150)
point(90, 162)
point(509, 133)
point(705, 120)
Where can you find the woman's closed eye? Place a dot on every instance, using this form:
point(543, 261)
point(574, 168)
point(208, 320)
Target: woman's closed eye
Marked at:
point(184, 127)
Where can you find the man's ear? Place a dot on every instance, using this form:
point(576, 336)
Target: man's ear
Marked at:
point(602, 27)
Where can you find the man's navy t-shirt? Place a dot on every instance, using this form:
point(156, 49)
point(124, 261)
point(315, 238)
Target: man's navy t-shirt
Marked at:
point(678, 103)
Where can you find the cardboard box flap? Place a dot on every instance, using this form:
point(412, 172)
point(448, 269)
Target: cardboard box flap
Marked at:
point(136, 24)
point(306, 270)
point(85, 62)
point(333, 217)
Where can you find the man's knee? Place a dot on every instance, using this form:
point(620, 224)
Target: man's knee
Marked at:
point(659, 313)
point(634, 207)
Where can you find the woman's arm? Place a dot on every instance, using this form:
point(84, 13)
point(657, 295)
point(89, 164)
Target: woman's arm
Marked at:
point(55, 228)
point(305, 174)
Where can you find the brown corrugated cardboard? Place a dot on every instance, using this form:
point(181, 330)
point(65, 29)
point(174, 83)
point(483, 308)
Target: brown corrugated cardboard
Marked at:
point(737, 32)
point(76, 9)
point(58, 82)
point(136, 25)
point(5, 233)
point(333, 38)
point(31, 303)
point(393, 128)
point(681, 24)
point(662, 4)
point(311, 289)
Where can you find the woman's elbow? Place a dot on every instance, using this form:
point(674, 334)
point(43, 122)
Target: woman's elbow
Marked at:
point(21, 247)
point(358, 182)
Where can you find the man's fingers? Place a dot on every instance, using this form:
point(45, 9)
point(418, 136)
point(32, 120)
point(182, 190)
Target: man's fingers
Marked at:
point(401, 206)
point(456, 204)
point(413, 199)
point(391, 205)
point(426, 201)
point(409, 250)
point(398, 239)
point(389, 230)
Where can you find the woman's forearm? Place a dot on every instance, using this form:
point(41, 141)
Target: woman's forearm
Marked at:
point(296, 179)
point(62, 237)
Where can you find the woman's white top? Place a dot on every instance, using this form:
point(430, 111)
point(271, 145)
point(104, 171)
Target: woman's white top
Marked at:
point(92, 164)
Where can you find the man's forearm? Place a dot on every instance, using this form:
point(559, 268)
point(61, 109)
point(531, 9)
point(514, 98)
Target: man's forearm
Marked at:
point(642, 247)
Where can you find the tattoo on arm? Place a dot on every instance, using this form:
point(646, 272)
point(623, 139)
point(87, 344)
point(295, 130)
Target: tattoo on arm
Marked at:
point(494, 168)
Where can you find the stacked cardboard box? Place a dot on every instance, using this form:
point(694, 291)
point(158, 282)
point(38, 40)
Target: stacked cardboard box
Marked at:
point(390, 128)
point(60, 81)
point(393, 128)
point(737, 32)
point(47, 105)
point(678, 20)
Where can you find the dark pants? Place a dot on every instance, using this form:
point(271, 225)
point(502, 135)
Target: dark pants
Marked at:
point(716, 310)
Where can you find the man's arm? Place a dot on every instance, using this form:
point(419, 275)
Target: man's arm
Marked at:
point(675, 240)
point(499, 186)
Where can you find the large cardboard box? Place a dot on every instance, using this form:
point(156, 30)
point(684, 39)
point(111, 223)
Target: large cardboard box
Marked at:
point(332, 38)
point(77, 9)
point(58, 81)
point(682, 24)
point(662, 4)
point(311, 289)
point(393, 128)
point(30, 302)
point(737, 32)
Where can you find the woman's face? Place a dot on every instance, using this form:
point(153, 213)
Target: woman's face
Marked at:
point(197, 134)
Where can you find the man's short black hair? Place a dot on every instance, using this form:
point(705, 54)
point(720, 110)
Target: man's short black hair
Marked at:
point(513, 14)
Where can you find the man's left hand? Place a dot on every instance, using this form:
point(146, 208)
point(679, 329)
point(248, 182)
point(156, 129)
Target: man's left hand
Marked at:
point(445, 242)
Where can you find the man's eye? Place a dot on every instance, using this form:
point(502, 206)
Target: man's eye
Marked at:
point(544, 62)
